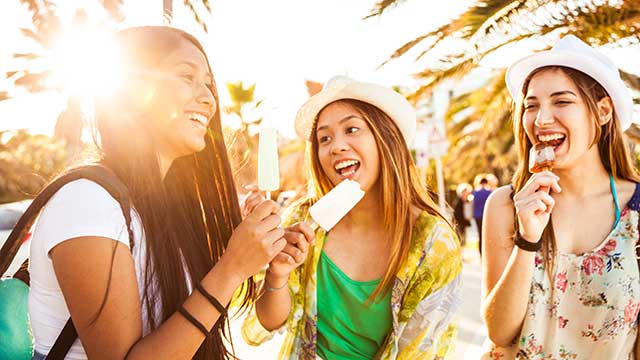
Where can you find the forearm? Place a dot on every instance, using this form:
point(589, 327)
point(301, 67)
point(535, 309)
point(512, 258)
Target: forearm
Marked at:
point(177, 338)
point(274, 306)
point(505, 306)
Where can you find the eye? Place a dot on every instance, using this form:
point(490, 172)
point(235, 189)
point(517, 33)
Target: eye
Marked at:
point(323, 139)
point(187, 77)
point(530, 106)
point(563, 102)
point(352, 129)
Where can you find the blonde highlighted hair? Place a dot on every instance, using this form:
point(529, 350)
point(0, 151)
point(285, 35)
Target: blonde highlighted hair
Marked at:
point(608, 138)
point(400, 185)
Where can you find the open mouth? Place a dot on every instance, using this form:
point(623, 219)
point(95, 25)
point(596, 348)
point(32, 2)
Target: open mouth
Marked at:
point(554, 140)
point(347, 168)
point(199, 119)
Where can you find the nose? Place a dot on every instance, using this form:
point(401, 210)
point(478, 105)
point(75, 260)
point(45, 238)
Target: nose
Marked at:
point(205, 97)
point(544, 117)
point(339, 145)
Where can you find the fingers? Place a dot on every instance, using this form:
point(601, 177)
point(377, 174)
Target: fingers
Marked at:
point(540, 181)
point(297, 239)
point(264, 209)
point(251, 200)
point(269, 223)
point(304, 229)
point(297, 254)
point(537, 203)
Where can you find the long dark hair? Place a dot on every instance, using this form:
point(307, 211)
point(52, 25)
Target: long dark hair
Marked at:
point(188, 216)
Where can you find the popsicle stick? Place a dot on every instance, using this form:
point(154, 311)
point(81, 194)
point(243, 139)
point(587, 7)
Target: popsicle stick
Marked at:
point(268, 195)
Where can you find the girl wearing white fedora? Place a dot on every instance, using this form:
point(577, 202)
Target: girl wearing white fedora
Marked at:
point(561, 279)
point(384, 281)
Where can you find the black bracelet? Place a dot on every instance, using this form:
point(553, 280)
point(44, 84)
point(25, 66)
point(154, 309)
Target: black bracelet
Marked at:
point(523, 244)
point(193, 321)
point(221, 309)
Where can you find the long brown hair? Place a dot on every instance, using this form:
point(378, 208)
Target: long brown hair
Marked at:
point(400, 185)
point(188, 216)
point(608, 138)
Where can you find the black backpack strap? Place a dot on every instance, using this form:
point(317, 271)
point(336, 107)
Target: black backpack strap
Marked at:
point(64, 342)
point(96, 173)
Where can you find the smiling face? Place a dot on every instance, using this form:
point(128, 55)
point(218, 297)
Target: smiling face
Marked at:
point(555, 111)
point(346, 146)
point(182, 103)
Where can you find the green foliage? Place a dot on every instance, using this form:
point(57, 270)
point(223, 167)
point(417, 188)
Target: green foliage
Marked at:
point(479, 122)
point(27, 162)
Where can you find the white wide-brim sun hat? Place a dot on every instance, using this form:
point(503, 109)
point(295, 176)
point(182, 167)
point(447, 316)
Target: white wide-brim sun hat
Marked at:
point(573, 53)
point(342, 87)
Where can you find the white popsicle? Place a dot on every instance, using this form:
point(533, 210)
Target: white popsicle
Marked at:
point(268, 170)
point(332, 207)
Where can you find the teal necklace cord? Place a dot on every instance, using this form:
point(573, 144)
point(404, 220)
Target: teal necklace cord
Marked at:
point(615, 199)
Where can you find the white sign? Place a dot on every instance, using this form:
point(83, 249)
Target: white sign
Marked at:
point(431, 140)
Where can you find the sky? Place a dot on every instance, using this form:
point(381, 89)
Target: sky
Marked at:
point(275, 44)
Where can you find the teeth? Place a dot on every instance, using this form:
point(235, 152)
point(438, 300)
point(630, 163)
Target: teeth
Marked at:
point(550, 137)
point(199, 118)
point(346, 163)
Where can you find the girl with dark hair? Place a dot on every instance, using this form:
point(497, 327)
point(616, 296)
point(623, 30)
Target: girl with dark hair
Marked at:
point(166, 297)
point(561, 280)
point(384, 282)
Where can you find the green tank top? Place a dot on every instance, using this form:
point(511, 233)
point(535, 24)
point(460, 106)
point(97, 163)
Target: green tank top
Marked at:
point(347, 328)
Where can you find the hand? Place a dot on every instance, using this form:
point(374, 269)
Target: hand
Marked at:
point(251, 200)
point(256, 241)
point(299, 238)
point(534, 204)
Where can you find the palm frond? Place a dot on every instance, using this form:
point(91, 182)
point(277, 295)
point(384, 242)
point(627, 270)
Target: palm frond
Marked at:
point(382, 6)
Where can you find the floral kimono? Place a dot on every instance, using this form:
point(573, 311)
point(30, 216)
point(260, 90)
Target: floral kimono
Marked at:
point(425, 295)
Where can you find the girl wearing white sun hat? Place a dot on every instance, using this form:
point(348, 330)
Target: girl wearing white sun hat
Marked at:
point(560, 279)
point(384, 281)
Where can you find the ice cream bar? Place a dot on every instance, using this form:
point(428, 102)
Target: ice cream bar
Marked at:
point(268, 170)
point(332, 207)
point(541, 158)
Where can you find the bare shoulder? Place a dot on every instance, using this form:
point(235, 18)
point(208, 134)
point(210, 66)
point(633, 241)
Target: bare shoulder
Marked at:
point(500, 199)
point(625, 190)
point(499, 216)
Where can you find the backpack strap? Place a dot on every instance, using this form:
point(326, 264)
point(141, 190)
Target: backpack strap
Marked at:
point(96, 173)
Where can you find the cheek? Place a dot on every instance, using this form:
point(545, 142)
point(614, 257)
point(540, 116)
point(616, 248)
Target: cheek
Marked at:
point(324, 158)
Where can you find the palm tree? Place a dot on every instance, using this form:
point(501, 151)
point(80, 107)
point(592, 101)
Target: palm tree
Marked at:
point(241, 142)
point(167, 6)
point(481, 137)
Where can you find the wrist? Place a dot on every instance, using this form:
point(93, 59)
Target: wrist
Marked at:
point(275, 281)
point(525, 244)
point(229, 271)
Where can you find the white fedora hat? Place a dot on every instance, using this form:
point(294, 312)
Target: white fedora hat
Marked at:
point(341, 87)
point(573, 53)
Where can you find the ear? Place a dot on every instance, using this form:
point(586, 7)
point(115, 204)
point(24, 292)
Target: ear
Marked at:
point(605, 110)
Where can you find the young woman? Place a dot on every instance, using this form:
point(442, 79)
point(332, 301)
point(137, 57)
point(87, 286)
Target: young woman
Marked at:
point(561, 280)
point(162, 138)
point(383, 283)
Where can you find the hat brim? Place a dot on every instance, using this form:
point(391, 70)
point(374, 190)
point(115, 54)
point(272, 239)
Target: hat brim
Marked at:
point(518, 72)
point(393, 104)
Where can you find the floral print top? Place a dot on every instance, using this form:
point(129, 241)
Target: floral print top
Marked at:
point(425, 295)
point(590, 310)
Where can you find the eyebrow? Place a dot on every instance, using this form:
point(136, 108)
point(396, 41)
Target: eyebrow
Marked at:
point(194, 66)
point(348, 117)
point(557, 93)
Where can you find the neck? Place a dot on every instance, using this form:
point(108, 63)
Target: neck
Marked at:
point(587, 177)
point(164, 162)
point(367, 214)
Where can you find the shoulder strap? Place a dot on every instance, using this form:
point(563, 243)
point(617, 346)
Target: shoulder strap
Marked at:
point(96, 173)
point(99, 174)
